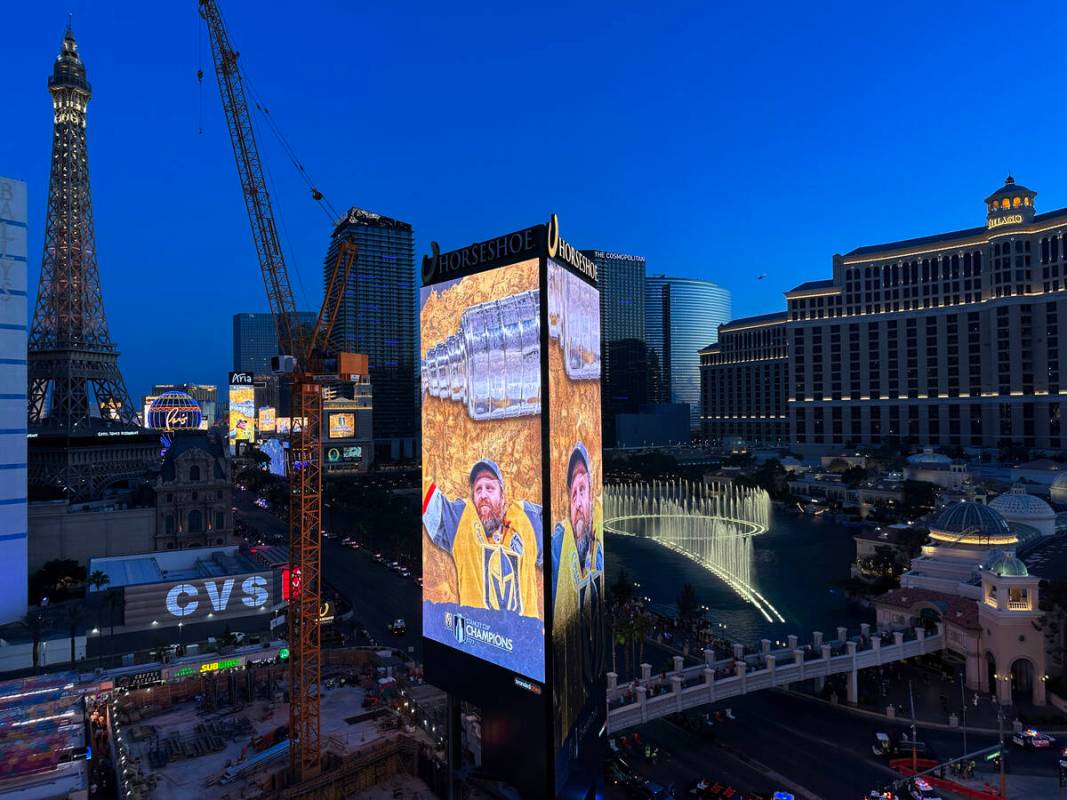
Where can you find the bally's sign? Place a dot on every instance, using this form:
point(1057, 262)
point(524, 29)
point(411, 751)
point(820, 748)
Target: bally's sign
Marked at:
point(1011, 219)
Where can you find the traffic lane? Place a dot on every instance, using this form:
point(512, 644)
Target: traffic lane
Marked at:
point(378, 594)
point(685, 757)
point(802, 738)
point(946, 744)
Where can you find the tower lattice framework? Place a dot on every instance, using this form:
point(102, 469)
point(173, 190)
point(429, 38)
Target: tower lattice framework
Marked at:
point(75, 387)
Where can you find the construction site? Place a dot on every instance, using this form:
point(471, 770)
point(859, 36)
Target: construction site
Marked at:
point(228, 732)
point(218, 726)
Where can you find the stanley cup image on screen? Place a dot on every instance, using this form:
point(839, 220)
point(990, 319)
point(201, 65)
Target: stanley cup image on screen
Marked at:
point(576, 480)
point(512, 516)
point(483, 574)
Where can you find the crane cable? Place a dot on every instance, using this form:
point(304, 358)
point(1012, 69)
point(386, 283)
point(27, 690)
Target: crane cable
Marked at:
point(290, 152)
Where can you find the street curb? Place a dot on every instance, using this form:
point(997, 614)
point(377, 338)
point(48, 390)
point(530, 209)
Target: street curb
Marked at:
point(902, 720)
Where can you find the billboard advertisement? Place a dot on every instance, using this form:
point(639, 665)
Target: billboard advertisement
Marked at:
point(483, 579)
point(342, 424)
point(267, 421)
point(242, 409)
point(344, 455)
point(197, 599)
point(577, 582)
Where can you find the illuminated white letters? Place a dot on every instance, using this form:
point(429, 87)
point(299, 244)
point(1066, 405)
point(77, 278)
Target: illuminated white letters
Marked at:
point(255, 593)
point(219, 600)
point(175, 593)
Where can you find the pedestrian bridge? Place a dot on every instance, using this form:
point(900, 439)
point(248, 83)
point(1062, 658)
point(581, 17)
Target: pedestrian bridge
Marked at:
point(653, 696)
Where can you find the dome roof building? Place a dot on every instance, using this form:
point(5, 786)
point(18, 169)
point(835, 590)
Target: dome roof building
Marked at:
point(1016, 506)
point(174, 410)
point(970, 523)
point(1058, 489)
point(1005, 565)
point(928, 456)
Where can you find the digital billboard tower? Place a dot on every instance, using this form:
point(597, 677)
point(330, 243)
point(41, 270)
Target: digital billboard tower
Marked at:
point(513, 547)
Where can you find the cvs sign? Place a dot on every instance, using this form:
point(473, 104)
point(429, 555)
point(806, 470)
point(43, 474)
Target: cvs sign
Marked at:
point(214, 596)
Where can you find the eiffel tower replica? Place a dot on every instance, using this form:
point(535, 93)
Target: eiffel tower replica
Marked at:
point(84, 434)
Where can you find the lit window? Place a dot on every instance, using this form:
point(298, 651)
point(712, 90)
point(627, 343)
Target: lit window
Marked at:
point(1017, 201)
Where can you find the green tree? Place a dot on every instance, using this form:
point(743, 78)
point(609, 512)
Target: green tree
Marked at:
point(623, 590)
point(98, 579)
point(884, 562)
point(74, 614)
point(688, 605)
point(34, 623)
point(917, 497)
point(56, 580)
point(838, 465)
point(853, 476)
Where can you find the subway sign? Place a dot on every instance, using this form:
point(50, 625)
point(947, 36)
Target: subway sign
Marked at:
point(208, 667)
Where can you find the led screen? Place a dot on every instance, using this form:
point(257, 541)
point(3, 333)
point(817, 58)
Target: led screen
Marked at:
point(242, 414)
point(282, 425)
point(342, 425)
point(483, 584)
point(576, 470)
point(267, 422)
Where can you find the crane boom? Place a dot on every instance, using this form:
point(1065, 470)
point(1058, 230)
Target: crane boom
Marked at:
point(305, 452)
point(253, 182)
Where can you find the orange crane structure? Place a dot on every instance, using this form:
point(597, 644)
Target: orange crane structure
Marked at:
point(305, 358)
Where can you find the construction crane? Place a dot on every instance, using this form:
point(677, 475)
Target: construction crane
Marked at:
point(306, 360)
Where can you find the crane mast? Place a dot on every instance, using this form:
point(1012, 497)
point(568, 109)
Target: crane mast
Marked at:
point(308, 349)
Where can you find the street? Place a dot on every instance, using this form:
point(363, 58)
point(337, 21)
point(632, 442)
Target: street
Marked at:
point(784, 741)
point(378, 594)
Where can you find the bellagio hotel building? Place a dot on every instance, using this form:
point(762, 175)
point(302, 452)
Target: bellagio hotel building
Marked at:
point(952, 339)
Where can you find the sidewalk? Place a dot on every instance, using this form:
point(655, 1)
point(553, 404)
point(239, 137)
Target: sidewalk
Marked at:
point(1018, 787)
point(937, 698)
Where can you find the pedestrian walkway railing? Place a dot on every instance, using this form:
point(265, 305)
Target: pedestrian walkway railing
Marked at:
point(652, 696)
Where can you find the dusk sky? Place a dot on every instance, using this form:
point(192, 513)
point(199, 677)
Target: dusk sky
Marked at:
point(718, 140)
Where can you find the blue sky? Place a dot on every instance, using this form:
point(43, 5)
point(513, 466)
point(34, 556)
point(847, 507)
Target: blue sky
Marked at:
point(718, 140)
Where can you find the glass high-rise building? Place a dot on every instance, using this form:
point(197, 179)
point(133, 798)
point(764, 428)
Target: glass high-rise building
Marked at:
point(377, 318)
point(255, 340)
point(628, 377)
point(682, 317)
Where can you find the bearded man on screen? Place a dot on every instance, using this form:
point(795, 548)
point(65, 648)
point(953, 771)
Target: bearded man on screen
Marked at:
point(495, 543)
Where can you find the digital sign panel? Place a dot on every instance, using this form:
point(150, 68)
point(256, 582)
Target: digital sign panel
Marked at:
point(196, 600)
point(267, 421)
point(242, 409)
point(577, 582)
point(342, 425)
point(483, 580)
point(282, 425)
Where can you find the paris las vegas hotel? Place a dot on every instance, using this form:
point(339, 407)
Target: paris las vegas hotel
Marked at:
point(951, 339)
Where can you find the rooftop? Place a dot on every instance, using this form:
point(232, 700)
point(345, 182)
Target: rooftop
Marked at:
point(810, 285)
point(170, 565)
point(758, 319)
point(959, 611)
point(368, 219)
point(1048, 559)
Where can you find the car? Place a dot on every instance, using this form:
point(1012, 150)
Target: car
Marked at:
point(1063, 759)
point(919, 789)
point(1031, 739)
point(398, 627)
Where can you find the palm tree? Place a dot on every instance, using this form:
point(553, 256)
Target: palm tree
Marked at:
point(34, 623)
point(114, 600)
point(98, 580)
point(75, 612)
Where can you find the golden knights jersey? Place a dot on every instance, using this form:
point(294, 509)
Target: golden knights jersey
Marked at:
point(496, 575)
point(578, 615)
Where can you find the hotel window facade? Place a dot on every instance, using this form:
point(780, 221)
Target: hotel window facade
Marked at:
point(945, 340)
point(744, 381)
